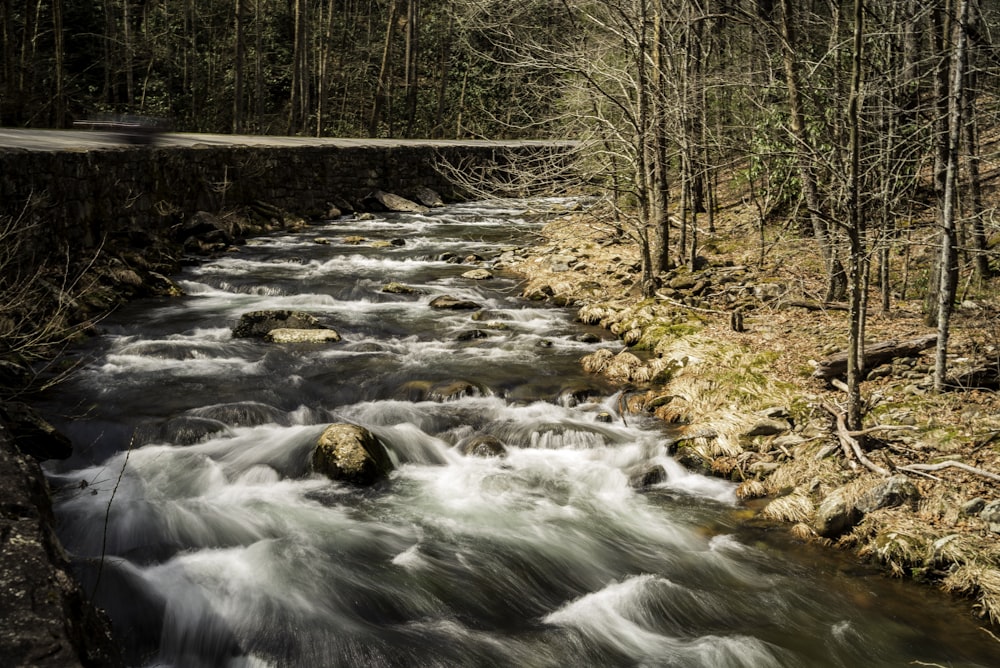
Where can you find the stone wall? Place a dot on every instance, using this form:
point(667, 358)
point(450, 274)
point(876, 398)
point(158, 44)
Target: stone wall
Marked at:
point(80, 196)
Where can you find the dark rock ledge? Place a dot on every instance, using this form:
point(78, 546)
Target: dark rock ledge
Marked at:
point(48, 621)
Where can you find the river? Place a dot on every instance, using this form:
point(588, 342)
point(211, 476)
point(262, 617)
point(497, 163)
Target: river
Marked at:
point(220, 548)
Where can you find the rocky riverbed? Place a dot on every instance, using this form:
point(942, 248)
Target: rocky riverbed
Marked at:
point(727, 352)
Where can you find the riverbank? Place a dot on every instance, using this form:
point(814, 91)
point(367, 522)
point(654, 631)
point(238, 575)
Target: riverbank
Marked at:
point(729, 352)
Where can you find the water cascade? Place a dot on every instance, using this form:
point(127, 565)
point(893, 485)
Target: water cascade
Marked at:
point(191, 511)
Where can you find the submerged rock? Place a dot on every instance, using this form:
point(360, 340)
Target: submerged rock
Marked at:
point(351, 453)
point(646, 475)
point(482, 445)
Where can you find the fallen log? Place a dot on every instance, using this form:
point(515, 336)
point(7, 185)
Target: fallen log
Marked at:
point(835, 366)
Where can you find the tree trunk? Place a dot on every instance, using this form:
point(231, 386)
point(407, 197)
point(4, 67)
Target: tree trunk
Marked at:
point(410, 81)
point(948, 277)
point(60, 57)
point(810, 190)
point(382, 88)
point(856, 234)
point(239, 58)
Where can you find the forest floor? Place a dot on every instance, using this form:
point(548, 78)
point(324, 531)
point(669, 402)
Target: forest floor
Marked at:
point(751, 410)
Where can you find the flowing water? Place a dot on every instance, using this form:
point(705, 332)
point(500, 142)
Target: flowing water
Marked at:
point(221, 548)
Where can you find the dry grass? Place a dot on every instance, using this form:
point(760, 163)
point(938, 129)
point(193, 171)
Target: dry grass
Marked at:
point(796, 507)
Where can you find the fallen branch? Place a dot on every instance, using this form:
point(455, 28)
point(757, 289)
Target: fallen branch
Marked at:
point(816, 306)
point(850, 445)
point(921, 468)
point(884, 351)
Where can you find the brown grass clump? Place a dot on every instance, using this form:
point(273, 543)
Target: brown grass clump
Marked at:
point(982, 583)
point(796, 507)
point(751, 489)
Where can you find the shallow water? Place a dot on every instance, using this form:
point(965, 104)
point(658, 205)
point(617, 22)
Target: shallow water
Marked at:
point(221, 548)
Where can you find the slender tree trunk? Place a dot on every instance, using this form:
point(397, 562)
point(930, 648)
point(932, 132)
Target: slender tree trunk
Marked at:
point(443, 79)
point(970, 128)
point(940, 17)
point(948, 276)
point(410, 80)
point(382, 89)
point(322, 92)
point(239, 57)
point(60, 67)
point(258, 75)
point(856, 234)
point(796, 119)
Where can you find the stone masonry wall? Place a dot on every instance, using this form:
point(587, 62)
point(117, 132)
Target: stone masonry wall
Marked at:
point(81, 196)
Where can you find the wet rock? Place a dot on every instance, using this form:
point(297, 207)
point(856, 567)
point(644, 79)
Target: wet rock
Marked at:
point(427, 197)
point(836, 515)
point(395, 288)
point(991, 515)
point(292, 335)
point(482, 445)
point(691, 459)
point(206, 230)
point(646, 475)
point(354, 240)
point(890, 493)
point(243, 414)
point(447, 302)
point(351, 453)
point(256, 324)
point(181, 430)
point(322, 241)
point(381, 200)
point(578, 394)
point(478, 274)
point(32, 434)
point(48, 620)
point(605, 417)
point(472, 334)
point(588, 338)
point(455, 389)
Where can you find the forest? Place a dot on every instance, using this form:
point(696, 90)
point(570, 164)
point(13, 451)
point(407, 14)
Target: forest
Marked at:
point(851, 120)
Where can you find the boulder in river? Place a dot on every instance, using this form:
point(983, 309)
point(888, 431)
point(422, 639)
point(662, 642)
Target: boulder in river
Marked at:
point(395, 288)
point(447, 302)
point(257, 324)
point(482, 445)
point(427, 197)
point(478, 274)
point(351, 453)
point(292, 335)
point(381, 200)
point(646, 475)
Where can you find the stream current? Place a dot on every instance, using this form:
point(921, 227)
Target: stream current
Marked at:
point(191, 477)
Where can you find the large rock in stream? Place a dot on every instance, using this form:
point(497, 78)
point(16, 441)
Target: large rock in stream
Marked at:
point(259, 324)
point(351, 453)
